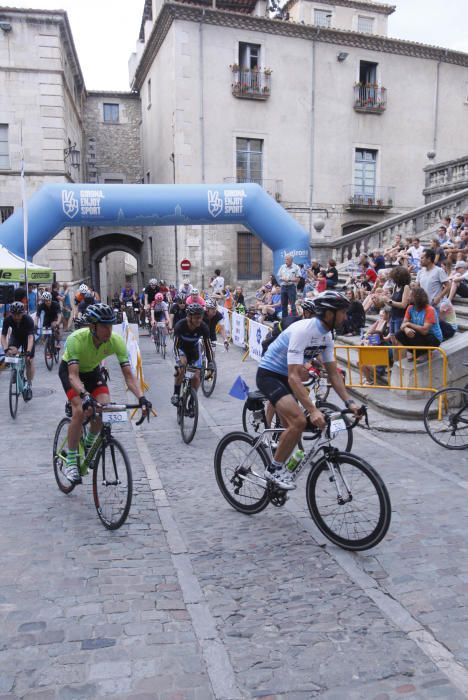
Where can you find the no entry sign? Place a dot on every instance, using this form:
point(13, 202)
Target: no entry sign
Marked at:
point(185, 264)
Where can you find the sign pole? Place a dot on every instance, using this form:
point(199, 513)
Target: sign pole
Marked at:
point(25, 219)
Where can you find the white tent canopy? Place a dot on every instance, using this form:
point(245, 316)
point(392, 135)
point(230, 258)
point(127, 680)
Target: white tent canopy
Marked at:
point(12, 269)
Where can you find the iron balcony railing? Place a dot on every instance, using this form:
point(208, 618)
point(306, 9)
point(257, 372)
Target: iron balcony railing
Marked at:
point(376, 198)
point(250, 83)
point(370, 98)
point(273, 187)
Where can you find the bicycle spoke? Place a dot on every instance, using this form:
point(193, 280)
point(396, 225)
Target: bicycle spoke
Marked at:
point(446, 418)
point(239, 472)
point(112, 485)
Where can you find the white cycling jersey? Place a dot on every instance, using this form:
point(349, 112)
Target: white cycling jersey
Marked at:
point(299, 343)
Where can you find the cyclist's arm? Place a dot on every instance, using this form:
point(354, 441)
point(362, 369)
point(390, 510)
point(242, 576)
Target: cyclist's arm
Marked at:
point(74, 378)
point(30, 343)
point(171, 321)
point(336, 380)
point(4, 342)
point(131, 381)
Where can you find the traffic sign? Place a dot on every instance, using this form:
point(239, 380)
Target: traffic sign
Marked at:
point(185, 264)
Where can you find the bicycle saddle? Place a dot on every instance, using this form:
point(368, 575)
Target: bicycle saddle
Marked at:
point(256, 396)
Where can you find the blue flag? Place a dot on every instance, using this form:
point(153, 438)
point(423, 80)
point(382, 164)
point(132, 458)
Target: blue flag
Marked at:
point(239, 389)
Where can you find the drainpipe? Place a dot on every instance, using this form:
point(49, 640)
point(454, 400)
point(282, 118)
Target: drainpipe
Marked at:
point(202, 139)
point(312, 132)
point(436, 109)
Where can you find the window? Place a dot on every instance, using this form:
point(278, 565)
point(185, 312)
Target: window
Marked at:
point(4, 151)
point(149, 93)
point(5, 212)
point(365, 162)
point(322, 18)
point(249, 56)
point(249, 157)
point(368, 73)
point(111, 113)
point(365, 24)
point(113, 181)
point(249, 256)
point(150, 250)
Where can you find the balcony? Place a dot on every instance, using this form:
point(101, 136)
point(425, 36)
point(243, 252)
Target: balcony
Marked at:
point(272, 187)
point(251, 84)
point(370, 98)
point(379, 199)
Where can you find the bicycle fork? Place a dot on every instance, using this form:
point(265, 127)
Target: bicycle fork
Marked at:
point(336, 476)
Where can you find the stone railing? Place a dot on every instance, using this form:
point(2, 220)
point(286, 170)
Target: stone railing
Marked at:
point(445, 178)
point(420, 222)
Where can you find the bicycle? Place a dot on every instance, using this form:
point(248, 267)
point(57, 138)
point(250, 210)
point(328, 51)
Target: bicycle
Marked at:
point(208, 377)
point(446, 417)
point(18, 383)
point(160, 337)
point(346, 497)
point(112, 487)
point(51, 351)
point(187, 408)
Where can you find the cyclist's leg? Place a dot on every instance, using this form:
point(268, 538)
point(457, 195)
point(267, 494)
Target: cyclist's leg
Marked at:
point(181, 364)
point(269, 413)
point(293, 419)
point(30, 368)
point(196, 379)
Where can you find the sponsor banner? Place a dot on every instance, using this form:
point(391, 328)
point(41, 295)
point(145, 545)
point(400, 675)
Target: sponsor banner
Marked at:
point(257, 334)
point(129, 332)
point(238, 329)
point(226, 319)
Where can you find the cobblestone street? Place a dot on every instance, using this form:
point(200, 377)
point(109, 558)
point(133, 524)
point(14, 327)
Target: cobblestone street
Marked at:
point(190, 600)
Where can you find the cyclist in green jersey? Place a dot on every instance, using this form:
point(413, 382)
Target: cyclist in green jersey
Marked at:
point(84, 381)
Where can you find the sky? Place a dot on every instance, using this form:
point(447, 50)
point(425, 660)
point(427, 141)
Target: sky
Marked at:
point(106, 31)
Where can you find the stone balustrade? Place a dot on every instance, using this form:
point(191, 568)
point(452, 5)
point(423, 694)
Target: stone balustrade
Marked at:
point(445, 178)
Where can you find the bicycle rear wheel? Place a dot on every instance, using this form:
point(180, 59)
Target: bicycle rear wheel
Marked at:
point(13, 393)
point(59, 456)
point(189, 415)
point(446, 418)
point(112, 485)
point(253, 422)
point(239, 472)
point(208, 379)
point(49, 352)
point(348, 501)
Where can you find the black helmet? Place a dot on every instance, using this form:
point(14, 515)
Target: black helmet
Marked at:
point(330, 301)
point(195, 310)
point(100, 313)
point(179, 299)
point(308, 305)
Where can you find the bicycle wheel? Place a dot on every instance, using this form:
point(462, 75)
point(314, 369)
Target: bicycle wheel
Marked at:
point(13, 393)
point(112, 484)
point(253, 422)
point(56, 351)
point(239, 472)
point(343, 440)
point(349, 503)
point(208, 379)
point(59, 456)
point(446, 418)
point(49, 353)
point(189, 414)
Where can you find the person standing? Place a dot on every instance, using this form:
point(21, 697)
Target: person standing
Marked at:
point(434, 280)
point(217, 284)
point(288, 276)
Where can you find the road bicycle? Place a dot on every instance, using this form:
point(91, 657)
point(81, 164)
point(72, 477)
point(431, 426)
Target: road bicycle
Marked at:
point(18, 382)
point(347, 499)
point(159, 332)
point(51, 348)
point(446, 417)
point(108, 460)
point(187, 408)
point(208, 377)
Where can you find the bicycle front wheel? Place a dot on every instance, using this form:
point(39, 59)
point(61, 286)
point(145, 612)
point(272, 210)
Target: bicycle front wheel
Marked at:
point(49, 353)
point(208, 380)
point(348, 501)
point(189, 415)
point(59, 456)
point(239, 470)
point(343, 440)
point(112, 485)
point(446, 418)
point(13, 393)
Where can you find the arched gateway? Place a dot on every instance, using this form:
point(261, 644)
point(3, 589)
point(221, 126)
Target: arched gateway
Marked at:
point(56, 206)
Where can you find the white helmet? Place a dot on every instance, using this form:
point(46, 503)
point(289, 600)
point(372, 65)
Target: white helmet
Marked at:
point(195, 292)
point(153, 282)
point(83, 288)
point(210, 303)
point(47, 296)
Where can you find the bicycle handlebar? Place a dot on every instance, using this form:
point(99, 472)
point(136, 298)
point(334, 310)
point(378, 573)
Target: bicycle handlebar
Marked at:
point(362, 413)
point(115, 407)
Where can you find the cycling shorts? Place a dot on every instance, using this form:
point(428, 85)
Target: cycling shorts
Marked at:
point(19, 343)
point(95, 382)
point(273, 385)
point(192, 359)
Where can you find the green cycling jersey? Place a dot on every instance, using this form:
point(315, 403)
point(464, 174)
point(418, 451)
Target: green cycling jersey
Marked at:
point(81, 350)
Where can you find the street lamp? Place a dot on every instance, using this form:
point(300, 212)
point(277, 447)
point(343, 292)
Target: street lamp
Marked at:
point(72, 154)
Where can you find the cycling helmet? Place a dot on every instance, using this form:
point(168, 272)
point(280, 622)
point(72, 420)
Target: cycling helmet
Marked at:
point(162, 282)
point(179, 299)
point(158, 298)
point(195, 292)
point(153, 282)
point(308, 305)
point(330, 301)
point(100, 313)
point(210, 304)
point(47, 296)
point(195, 310)
point(83, 288)
point(17, 307)
point(81, 321)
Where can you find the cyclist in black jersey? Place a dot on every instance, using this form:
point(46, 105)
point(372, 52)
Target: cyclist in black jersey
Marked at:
point(187, 336)
point(178, 311)
point(213, 318)
point(150, 292)
point(21, 339)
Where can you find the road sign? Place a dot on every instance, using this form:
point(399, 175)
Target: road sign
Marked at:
point(185, 264)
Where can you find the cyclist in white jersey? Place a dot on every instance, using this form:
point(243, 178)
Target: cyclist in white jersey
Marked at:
point(281, 373)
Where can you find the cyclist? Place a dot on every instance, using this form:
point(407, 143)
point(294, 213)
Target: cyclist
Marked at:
point(150, 292)
point(185, 288)
point(127, 293)
point(83, 380)
point(195, 298)
point(52, 315)
point(159, 312)
point(187, 335)
point(177, 311)
point(79, 296)
point(213, 318)
point(163, 288)
point(21, 338)
point(281, 371)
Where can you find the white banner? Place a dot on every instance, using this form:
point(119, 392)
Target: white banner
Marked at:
point(257, 334)
point(129, 332)
point(227, 320)
point(238, 329)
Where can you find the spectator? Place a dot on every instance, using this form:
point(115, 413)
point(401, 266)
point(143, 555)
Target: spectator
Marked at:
point(377, 260)
point(288, 275)
point(380, 293)
point(400, 299)
point(395, 248)
point(459, 281)
point(315, 268)
point(321, 283)
point(217, 284)
point(377, 334)
point(432, 279)
point(447, 319)
point(302, 278)
point(228, 301)
point(369, 273)
point(32, 298)
point(355, 315)
point(420, 325)
point(444, 237)
point(414, 255)
point(440, 256)
point(66, 307)
point(331, 274)
point(55, 291)
point(272, 306)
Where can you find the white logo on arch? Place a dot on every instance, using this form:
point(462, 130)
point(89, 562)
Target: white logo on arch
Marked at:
point(69, 204)
point(215, 203)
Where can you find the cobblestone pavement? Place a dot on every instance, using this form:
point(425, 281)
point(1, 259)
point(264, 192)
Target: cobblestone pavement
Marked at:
point(191, 600)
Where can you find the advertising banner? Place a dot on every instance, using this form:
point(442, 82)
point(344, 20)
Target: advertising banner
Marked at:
point(227, 320)
point(238, 329)
point(257, 334)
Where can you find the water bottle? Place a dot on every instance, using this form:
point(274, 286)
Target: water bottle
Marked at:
point(294, 460)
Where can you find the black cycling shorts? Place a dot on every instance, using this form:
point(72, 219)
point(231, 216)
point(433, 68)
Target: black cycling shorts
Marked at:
point(95, 382)
point(21, 344)
point(273, 385)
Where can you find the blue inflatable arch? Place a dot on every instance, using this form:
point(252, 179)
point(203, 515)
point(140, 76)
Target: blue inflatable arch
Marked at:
point(56, 206)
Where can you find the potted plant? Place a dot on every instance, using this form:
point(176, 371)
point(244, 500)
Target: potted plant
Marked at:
point(234, 67)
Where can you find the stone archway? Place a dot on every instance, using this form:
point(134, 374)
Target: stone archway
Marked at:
point(103, 245)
